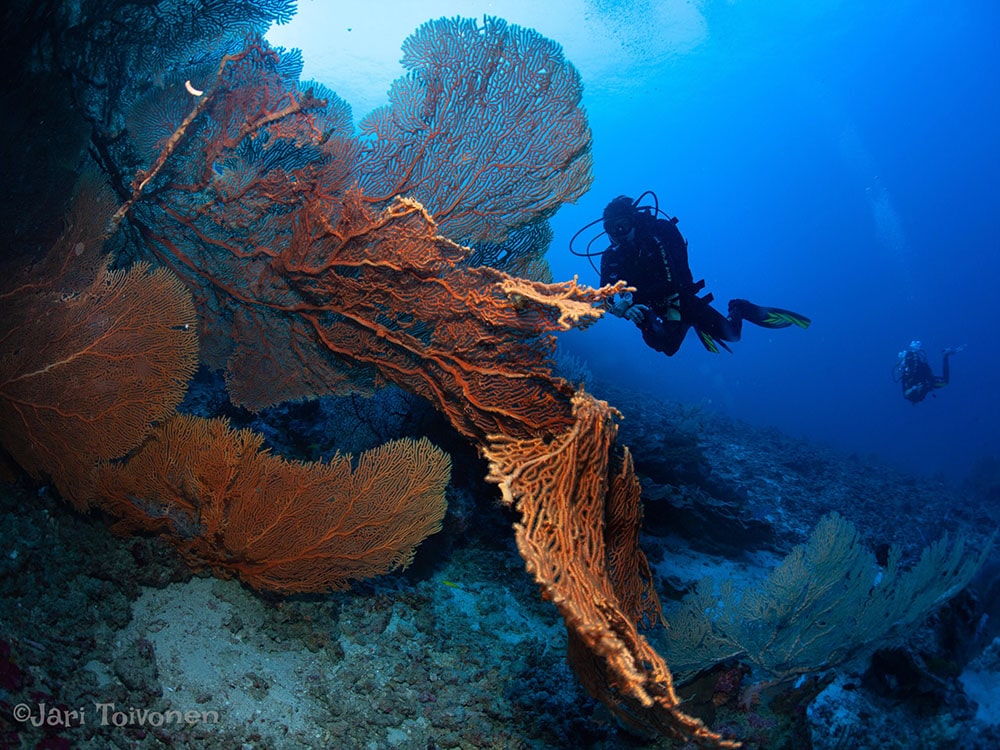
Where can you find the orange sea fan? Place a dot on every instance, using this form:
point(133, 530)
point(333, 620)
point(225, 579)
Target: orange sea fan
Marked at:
point(280, 525)
point(89, 357)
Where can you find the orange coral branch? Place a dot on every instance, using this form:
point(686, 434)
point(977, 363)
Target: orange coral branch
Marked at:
point(578, 536)
point(85, 376)
point(90, 358)
point(205, 99)
point(472, 340)
point(279, 525)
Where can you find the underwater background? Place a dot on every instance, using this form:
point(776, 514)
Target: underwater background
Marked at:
point(834, 158)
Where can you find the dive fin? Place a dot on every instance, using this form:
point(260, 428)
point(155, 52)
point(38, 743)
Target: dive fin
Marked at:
point(767, 317)
point(777, 318)
point(711, 343)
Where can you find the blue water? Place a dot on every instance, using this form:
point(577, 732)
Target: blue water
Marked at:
point(844, 167)
point(836, 158)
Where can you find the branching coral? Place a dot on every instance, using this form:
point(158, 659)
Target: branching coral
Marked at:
point(279, 525)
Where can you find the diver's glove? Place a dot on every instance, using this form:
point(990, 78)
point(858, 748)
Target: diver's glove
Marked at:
point(637, 314)
point(621, 306)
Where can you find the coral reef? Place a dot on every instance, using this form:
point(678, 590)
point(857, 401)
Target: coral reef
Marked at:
point(458, 650)
point(320, 263)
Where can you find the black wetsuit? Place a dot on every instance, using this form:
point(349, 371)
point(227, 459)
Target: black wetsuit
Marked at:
point(655, 261)
point(918, 379)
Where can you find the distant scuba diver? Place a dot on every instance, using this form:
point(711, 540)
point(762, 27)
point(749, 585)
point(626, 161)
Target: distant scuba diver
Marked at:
point(914, 373)
point(650, 254)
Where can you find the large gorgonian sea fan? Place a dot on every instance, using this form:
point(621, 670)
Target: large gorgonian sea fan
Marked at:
point(247, 205)
point(486, 130)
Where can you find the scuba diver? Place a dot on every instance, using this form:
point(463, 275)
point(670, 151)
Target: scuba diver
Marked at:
point(650, 254)
point(914, 372)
